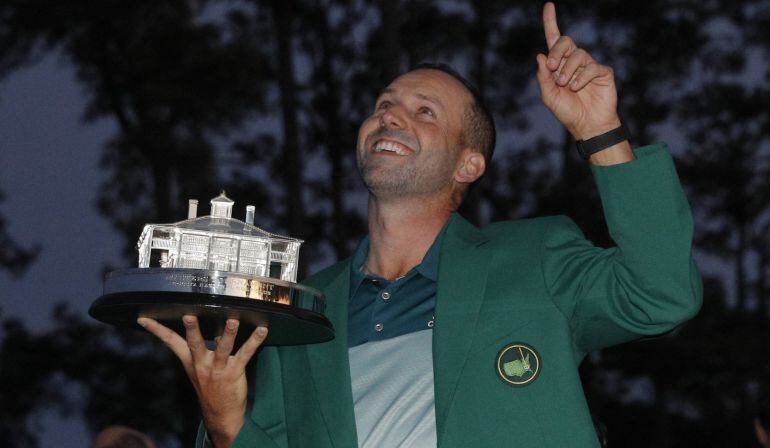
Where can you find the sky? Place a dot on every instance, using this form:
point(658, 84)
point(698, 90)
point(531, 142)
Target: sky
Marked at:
point(49, 173)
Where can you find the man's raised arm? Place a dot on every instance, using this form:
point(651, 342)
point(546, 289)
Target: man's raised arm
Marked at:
point(648, 283)
point(579, 91)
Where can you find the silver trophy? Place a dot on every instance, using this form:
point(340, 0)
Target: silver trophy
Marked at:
point(217, 267)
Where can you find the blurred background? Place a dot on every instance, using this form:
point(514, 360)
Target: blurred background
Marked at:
point(114, 113)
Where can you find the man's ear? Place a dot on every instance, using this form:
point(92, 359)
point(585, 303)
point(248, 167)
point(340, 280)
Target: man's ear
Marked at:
point(471, 166)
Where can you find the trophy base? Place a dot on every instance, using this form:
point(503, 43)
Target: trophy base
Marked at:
point(293, 313)
point(286, 325)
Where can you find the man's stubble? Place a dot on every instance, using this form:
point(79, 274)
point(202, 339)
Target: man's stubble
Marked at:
point(423, 174)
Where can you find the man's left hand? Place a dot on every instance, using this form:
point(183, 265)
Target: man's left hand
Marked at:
point(580, 92)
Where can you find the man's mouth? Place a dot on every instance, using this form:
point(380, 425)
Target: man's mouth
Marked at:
point(391, 147)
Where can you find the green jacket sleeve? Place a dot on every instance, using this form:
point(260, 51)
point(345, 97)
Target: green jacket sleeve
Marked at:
point(265, 427)
point(646, 285)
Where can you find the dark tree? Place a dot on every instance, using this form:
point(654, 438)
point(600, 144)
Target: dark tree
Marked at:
point(14, 258)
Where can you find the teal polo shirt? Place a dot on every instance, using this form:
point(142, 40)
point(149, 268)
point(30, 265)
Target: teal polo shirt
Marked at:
point(390, 351)
point(382, 309)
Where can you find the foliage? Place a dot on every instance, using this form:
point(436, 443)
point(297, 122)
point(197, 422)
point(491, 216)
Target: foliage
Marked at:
point(119, 377)
point(14, 258)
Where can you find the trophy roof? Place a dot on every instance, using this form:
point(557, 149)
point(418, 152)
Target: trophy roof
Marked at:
point(215, 225)
point(222, 199)
point(227, 225)
point(219, 222)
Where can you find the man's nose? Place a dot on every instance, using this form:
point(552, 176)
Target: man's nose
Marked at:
point(392, 118)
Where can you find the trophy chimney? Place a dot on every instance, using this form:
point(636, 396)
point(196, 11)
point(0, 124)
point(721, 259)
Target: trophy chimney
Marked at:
point(192, 208)
point(250, 214)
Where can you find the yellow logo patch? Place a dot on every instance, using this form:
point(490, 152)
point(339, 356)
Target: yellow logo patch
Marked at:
point(518, 364)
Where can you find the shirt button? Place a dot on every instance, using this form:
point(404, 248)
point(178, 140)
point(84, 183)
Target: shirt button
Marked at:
point(385, 295)
point(378, 327)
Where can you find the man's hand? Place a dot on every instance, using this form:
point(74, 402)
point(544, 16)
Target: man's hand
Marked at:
point(219, 378)
point(579, 91)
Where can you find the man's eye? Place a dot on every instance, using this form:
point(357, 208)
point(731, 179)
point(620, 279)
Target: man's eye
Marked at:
point(383, 105)
point(427, 111)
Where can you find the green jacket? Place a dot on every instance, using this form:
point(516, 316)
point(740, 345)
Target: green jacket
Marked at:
point(538, 282)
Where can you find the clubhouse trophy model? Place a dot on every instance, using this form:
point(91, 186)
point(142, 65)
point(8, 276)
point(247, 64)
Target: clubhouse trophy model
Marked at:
point(216, 267)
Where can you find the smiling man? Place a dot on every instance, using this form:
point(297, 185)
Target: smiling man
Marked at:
point(410, 146)
point(453, 336)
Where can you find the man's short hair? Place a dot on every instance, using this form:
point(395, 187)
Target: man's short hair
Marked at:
point(478, 125)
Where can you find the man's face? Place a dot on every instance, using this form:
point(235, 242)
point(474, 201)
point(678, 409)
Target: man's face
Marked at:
point(411, 143)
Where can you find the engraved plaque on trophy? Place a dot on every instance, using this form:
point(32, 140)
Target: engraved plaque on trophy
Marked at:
point(217, 267)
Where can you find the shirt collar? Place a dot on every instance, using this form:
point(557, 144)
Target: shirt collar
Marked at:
point(429, 265)
point(359, 256)
point(428, 268)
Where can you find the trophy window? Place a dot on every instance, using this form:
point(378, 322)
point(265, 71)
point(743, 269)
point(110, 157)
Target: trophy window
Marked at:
point(160, 258)
point(275, 269)
point(252, 258)
point(223, 254)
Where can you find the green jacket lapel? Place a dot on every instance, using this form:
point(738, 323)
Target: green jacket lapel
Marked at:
point(463, 268)
point(330, 366)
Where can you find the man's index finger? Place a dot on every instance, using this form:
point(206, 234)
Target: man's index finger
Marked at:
point(550, 27)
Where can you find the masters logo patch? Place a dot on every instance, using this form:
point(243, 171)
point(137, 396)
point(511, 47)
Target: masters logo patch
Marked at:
point(518, 364)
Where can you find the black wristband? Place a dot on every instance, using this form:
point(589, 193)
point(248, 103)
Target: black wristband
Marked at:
point(603, 141)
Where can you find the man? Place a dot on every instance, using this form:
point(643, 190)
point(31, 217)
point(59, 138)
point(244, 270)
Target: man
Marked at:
point(452, 335)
